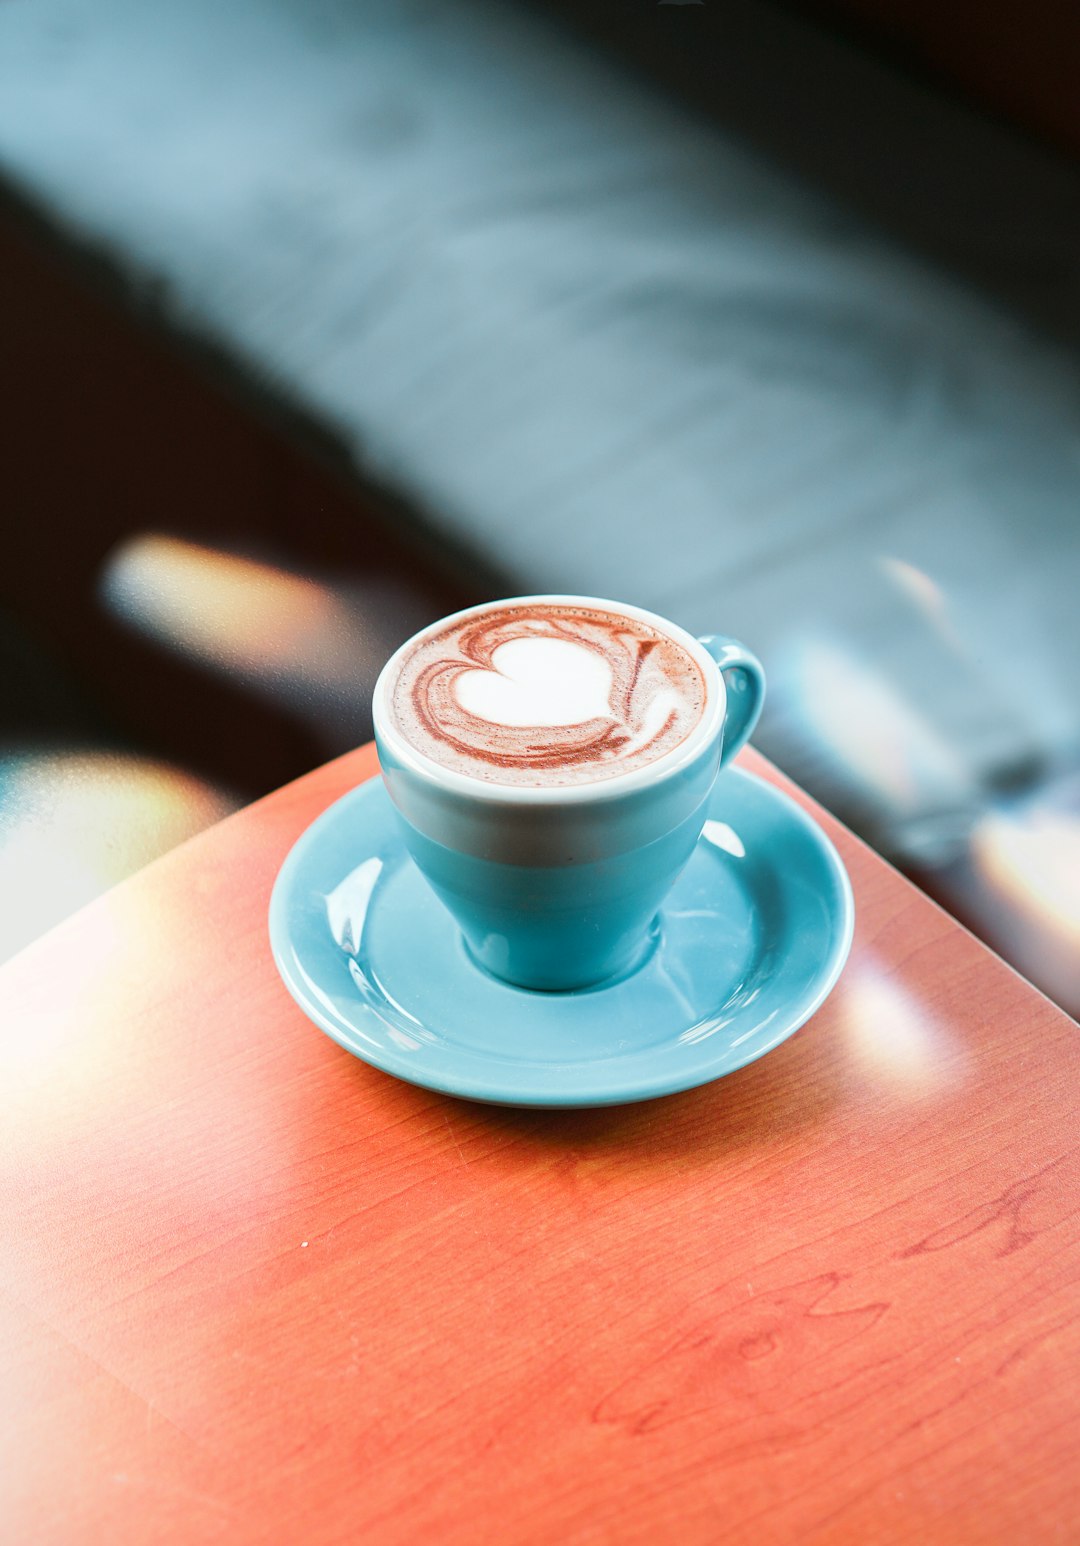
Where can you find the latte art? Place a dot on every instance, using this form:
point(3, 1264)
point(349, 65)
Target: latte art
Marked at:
point(546, 694)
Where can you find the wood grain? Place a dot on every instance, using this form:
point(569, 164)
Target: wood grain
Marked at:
point(254, 1290)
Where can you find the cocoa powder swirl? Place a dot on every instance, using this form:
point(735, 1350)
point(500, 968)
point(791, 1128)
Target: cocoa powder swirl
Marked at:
point(617, 695)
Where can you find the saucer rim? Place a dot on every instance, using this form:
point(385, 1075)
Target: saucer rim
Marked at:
point(648, 1087)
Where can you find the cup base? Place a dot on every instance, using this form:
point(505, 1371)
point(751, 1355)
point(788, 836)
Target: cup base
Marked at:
point(641, 953)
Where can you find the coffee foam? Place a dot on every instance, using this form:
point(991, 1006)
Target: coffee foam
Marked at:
point(546, 694)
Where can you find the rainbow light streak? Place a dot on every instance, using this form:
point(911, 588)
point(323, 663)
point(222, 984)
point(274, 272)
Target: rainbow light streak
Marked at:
point(1028, 859)
point(295, 637)
point(75, 824)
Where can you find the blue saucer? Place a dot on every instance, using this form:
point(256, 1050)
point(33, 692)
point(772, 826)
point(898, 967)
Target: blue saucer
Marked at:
point(752, 938)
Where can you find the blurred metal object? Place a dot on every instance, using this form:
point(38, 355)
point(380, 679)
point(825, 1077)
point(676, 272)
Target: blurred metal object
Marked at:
point(865, 748)
point(1008, 865)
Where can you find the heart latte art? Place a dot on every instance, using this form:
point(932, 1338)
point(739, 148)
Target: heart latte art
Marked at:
point(546, 694)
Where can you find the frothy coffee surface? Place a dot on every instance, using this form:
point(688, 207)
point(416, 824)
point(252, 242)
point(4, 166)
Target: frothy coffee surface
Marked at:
point(547, 695)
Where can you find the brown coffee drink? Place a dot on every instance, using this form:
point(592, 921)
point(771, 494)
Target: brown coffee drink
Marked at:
point(546, 694)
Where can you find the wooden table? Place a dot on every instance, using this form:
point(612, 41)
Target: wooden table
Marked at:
point(255, 1291)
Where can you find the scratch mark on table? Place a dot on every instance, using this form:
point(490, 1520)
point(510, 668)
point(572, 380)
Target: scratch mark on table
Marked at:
point(454, 1139)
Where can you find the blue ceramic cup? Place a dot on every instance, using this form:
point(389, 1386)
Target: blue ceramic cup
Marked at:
point(559, 888)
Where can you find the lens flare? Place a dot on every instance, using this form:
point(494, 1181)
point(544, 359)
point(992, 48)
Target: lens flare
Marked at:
point(313, 646)
point(72, 825)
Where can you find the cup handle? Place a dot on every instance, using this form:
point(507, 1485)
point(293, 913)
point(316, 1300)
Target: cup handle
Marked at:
point(745, 683)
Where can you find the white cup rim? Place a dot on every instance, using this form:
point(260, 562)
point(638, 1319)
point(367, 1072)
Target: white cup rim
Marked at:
point(617, 785)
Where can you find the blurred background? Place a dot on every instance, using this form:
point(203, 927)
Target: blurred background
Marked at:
point(321, 318)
